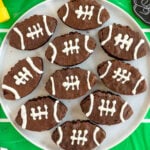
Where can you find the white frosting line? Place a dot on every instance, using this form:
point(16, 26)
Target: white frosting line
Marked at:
point(85, 12)
point(137, 48)
point(122, 111)
point(35, 68)
point(54, 52)
point(55, 112)
point(12, 90)
point(60, 136)
point(21, 37)
point(107, 70)
point(67, 12)
point(49, 33)
point(124, 41)
point(94, 136)
point(99, 14)
point(137, 84)
point(53, 86)
point(109, 36)
point(79, 136)
point(86, 44)
point(91, 105)
point(88, 80)
point(24, 116)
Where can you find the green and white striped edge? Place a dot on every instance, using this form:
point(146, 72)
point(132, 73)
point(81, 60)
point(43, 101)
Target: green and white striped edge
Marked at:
point(12, 140)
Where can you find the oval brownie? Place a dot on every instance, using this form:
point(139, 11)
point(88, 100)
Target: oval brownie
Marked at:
point(83, 15)
point(121, 77)
point(70, 49)
point(122, 42)
point(23, 78)
point(78, 135)
point(70, 83)
point(106, 108)
point(39, 114)
point(32, 32)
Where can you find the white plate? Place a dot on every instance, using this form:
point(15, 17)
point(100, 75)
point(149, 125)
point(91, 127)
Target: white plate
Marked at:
point(115, 133)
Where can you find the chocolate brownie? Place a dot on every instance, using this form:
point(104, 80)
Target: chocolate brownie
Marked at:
point(122, 42)
point(78, 135)
point(39, 114)
point(106, 108)
point(121, 77)
point(23, 78)
point(32, 32)
point(70, 49)
point(70, 83)
point(83, 15)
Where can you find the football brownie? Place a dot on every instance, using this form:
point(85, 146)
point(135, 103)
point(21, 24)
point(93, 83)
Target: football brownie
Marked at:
point(122, 42)
point(121, 77)
point(106, 108)
point(78, 135)
point(70, 49)
point(70, 83)
point(23, 78)
point(32, 32)
point(39, 114)
point(83, 14)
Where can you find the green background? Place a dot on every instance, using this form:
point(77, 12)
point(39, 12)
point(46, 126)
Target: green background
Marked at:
point(11, 139)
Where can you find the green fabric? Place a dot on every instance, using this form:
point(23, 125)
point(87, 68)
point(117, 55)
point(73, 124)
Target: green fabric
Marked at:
point(11, 139)
point(147, 115)
point(2, 35)
point(2, 114)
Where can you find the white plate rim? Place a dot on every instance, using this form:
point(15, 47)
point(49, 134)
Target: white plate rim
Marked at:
point(105, 1)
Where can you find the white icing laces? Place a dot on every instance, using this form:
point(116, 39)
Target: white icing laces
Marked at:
point(70, 48)
point(60, 136)
point(121, 75)
point(141, 42)
point(105, 107)
point(134, 91)
point(86, 44)
point(35, 31)
point(99, 15)
point(49, 33)
point(108, 37)
point(67, 12)
point(122, 111)
point(23, 76)
point(125, 41)
point(38, 113)
point(86, 12)
point(24, 116)
point(107, 70)
point(79, 136)
point(12, 90)
point(53, 85)
point(91, 105)
point(88, 80)
point(55, 112)
point(21, 37)
point(33, 66)
point(71, 82)
point(53, 57)
point(97, 129)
